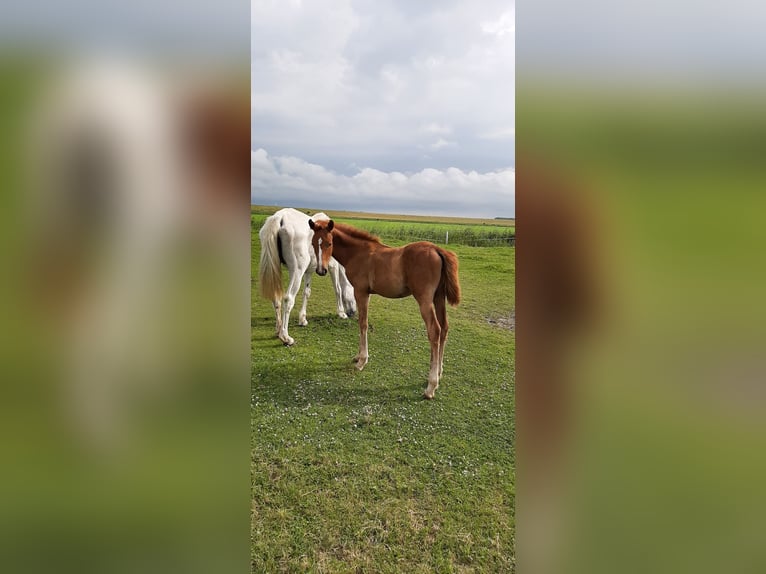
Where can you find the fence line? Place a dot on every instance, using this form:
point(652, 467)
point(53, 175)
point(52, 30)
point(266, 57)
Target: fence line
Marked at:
point(446, 237)
point(509, 240)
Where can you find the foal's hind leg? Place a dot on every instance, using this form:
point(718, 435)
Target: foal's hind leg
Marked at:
point(428, 312)
point(440, 304)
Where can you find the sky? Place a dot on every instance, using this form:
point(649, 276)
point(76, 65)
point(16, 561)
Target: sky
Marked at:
point(699, 42)
point(400, 106)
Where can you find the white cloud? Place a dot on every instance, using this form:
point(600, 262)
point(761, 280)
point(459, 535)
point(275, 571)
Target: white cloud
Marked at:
point(507, 132)
point(436, 128)
point(291, 181)
point(505, 24)
point(442, 143)
point(399, 85)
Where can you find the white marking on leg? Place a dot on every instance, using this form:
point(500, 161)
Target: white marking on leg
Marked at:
point(278, 312)
point(363, 350)
point(334, 269)
point(363, 356)
point(302, 320)
point(289, 300)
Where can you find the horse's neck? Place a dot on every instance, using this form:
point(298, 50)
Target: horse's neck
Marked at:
point(347, 247)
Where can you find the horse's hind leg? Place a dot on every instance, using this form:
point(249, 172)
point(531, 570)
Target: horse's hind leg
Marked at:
point(302, 321)
point(440, 305)
point(347, 293)
point(428, 312)
point(334, 268)
point(278, 312)
point(297, 267)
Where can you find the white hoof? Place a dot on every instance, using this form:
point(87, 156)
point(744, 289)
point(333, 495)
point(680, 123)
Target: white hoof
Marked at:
point(342, 315)
point(287, 340)
point(360, 362)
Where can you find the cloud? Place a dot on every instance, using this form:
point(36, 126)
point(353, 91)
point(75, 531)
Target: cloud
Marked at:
point(499, 133)
point(442, 143)
point(504, 25)
point(376, 83)
point(436, 128)
point(291, 181)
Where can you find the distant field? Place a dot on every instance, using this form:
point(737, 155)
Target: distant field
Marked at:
point(269, 209)
point(441, 230)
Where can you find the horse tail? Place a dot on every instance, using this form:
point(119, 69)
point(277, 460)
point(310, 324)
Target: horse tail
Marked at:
point(450, 280)
point(270, 268)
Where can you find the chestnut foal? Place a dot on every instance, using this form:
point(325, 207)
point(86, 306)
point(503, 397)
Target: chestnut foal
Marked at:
point(422, 269)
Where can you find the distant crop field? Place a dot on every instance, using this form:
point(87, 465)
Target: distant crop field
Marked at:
point(441, 230)
point(353, 471)
point(359, 215)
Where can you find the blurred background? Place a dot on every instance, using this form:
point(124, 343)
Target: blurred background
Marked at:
point(640, 315)
point(124, 248)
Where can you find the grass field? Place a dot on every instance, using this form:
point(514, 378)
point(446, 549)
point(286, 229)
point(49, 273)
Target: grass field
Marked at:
point(353, 471)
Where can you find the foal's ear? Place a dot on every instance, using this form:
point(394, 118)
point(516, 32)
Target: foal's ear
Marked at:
point(311, 223)
point(330, 225)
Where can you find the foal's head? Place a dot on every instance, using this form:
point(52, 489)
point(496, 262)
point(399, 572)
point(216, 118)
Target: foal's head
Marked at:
point(322, 242)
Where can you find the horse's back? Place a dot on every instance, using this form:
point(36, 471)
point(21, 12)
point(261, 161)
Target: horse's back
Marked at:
point(426, 266)
point(297, 220)
point(421, 253)
point(419, 266)
point(290, 217)
point(291, 224)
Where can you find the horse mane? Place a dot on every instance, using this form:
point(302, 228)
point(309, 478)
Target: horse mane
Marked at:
point(356, 233)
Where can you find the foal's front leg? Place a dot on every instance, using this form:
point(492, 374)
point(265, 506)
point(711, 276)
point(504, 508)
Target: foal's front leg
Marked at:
point(362, 302)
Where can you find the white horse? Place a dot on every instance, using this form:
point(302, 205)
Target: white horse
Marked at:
point(286, 238)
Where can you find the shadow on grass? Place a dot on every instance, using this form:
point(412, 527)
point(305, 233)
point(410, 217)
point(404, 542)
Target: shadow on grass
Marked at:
point(269, 341)
point(319, 370)
point(335, 383)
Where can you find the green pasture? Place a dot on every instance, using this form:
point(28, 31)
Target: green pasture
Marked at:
point(440, 233)
point(360, 216)
point(353, 471)
point(444, 231)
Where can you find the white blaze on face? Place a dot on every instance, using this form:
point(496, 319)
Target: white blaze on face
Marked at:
point(319, 258)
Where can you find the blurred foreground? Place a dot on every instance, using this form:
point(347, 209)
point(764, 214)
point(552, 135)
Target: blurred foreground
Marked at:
point(124, 226)
point(646, 449)
point(641, 326)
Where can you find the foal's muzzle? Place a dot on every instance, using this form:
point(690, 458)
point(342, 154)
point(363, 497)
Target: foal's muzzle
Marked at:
point(321, 272)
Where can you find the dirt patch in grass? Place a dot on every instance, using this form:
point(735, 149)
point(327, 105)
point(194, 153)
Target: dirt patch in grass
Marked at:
point(503, 321)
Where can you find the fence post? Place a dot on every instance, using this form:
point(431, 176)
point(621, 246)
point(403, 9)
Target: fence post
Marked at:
point(446, 239)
